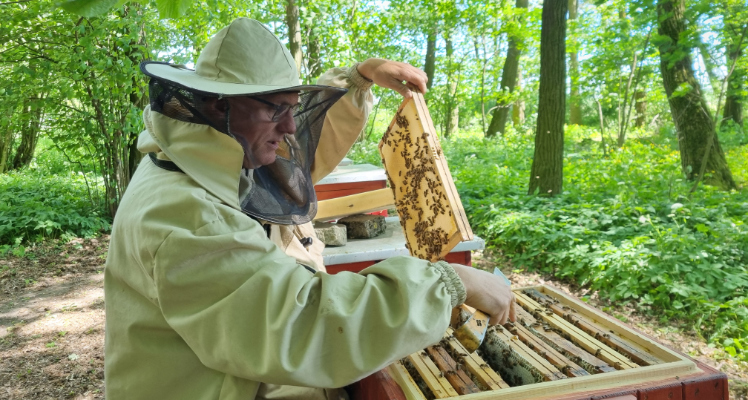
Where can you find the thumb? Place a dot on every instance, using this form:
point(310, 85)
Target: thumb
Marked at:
point(403, 89)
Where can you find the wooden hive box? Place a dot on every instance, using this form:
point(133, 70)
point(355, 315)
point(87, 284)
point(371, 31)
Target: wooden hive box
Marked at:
point(559, 348)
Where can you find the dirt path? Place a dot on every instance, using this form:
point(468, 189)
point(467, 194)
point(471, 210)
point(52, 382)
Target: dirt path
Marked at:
point(52, 324)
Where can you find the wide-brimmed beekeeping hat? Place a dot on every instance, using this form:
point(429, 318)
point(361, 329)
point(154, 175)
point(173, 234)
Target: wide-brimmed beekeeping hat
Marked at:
point(244, 58)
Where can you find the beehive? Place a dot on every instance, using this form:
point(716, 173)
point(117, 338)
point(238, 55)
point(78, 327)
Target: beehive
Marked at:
point(557, 346)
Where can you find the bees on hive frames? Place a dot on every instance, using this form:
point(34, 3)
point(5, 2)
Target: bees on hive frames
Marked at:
point(430, 210)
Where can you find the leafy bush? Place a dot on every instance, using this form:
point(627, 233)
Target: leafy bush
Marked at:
point(34, 207)
point(625, 226)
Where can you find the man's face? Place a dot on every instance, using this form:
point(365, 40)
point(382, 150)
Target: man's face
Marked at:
point(251, 123)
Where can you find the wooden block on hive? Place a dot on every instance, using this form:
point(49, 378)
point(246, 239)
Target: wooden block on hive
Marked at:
point(426, 199)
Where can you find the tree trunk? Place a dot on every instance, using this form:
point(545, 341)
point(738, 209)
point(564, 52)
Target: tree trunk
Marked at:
point(29, 135)
point(6, 139)
point(508, 82)
point(547, 173)
point(518, 109)
point(733, 97)
point(575, 108)
point(697, 138)
point(294, 32)
point(641, 108)
point(452, 115)
point(430, 62)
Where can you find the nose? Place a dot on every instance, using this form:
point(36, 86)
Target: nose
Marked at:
point(287, 124)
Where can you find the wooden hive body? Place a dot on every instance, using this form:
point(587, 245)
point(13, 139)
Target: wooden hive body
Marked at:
point(426, 199)
point(537, 352)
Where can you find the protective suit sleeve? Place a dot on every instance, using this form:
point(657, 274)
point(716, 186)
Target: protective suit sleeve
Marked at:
point(248, 310)
point(345, 120)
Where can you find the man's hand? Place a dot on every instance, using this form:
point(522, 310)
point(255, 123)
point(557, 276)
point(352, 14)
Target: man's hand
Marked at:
point(392, 74)
point(488, 293)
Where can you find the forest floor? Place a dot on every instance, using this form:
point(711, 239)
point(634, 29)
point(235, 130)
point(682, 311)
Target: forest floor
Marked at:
point(52, 323)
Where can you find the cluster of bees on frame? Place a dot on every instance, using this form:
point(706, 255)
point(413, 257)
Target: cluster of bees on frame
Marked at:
point(417, 186)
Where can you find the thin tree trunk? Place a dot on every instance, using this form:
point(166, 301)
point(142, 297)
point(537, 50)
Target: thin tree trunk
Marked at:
point(547, 174)
point(508, 82)
point(697, 138)
point(430, 62)
point(518, 108)
point(641, 108)
point(575, 108)
point(453, 111)
point(294, 32)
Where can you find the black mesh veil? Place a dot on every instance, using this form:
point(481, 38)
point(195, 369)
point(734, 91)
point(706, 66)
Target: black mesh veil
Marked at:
point(281, 192)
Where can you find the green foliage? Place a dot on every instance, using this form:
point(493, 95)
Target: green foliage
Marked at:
point(35, 207)
point(625, 226)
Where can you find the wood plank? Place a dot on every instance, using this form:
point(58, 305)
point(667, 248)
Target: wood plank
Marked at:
point(459, 380)
point(576, 335)
point(360, 203)
point(434, 379)
point(607, 336)
point(474, 363)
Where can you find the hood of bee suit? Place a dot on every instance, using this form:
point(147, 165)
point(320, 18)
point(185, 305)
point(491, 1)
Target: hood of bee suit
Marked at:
point(242, 59)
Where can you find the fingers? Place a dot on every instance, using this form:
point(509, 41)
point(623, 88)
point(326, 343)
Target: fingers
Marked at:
point(398, 76)
point(512, 311)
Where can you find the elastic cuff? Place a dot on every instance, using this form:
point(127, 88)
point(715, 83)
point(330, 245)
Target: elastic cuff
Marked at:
point(357, 79)
point(453, 282)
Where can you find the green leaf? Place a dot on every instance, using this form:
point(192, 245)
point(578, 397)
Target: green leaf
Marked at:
point(88, 8)
point(172, 8)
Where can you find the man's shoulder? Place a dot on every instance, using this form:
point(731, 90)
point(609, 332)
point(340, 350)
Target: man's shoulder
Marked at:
point(171, 198)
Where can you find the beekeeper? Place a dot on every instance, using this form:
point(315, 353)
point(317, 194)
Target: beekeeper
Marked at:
point(214, 283)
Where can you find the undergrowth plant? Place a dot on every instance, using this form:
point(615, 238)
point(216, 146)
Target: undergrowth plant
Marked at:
point(35, 207)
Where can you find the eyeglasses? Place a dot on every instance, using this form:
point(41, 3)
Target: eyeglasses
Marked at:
point(280, 109)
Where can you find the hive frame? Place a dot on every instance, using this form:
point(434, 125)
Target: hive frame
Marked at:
point(412, 131)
